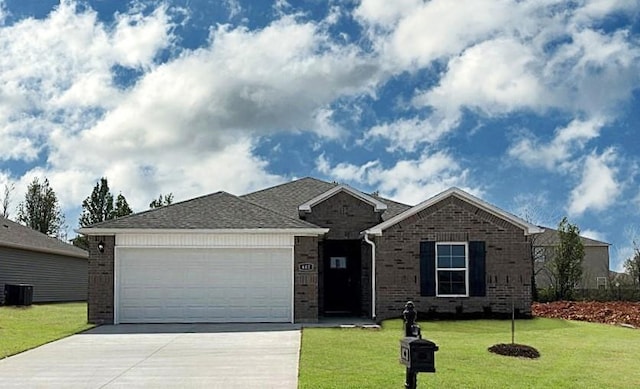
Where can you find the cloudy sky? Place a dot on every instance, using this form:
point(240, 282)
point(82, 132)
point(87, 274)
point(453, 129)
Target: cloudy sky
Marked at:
point(532, 105)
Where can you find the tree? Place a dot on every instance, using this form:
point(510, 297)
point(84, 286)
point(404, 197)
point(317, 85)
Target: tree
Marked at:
point(567, 261)
point(6, 200)
point(40, 209)
point(161, 201)
point(98, 207)
point(122, 207)
point(632, 265)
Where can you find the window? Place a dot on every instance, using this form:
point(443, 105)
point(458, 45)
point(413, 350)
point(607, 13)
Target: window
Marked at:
point(338, 263)
point(458, 270)
point(601, 282)
point(452, 269)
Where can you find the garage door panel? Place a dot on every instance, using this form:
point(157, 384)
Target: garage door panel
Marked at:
point(204, 285)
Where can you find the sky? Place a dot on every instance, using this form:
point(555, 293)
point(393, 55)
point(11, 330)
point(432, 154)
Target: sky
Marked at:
point(532, 105)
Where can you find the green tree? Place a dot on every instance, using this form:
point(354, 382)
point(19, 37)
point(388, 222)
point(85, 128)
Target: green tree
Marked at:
point(122, 207)
point(632, 265)
point(40, 209)
point(98, 207)
point(567, 261)
point(6, 200)
point(161, 201)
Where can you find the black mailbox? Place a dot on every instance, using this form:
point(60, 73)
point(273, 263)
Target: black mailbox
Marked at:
point(418, 355)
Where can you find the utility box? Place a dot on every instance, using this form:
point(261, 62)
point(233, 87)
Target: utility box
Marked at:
point(18, 294)
point(418, 355)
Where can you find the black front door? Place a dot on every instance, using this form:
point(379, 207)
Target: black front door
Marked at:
point(342, 269)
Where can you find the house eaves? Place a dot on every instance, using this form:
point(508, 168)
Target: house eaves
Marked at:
point(285, 231)
point(528, 228)
point(377, 205)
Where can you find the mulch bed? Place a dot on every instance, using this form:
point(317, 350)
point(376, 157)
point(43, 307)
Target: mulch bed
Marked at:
point(609, 312)
point(515, 350)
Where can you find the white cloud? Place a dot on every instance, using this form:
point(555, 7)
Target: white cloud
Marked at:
point(56, 72)
point(598, 187)
point(507, 57)
point(407, 134)
point(410, 181)
point(186, 125)
point(494, 77)
point(561, 149)
point(593, 234)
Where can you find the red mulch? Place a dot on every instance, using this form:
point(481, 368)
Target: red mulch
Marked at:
point(515, 350)
point(610, 312)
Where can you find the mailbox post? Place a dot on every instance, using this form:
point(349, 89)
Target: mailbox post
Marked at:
point(417, 354)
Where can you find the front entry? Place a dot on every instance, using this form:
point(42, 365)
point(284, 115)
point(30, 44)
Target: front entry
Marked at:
point(342, 271)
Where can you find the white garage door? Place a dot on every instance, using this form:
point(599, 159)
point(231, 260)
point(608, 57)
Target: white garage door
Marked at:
point(203, 285)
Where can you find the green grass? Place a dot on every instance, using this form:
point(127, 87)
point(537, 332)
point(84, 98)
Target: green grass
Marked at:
point(23, 328)
point(573, 355)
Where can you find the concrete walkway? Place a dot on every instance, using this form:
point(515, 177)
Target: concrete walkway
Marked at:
point(162, 356)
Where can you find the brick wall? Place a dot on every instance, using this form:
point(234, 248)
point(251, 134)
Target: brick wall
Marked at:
point(508, 266)
point(101, 270)
point(345, 216)
point(306, 282)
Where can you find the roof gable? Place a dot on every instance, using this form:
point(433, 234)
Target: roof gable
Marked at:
point(378, 206)
point(287, 198)
point(464, 196)
point(21, 237)
point(217, 211)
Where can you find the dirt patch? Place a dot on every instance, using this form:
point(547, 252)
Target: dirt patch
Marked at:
point(515, 350)
point(611, 312)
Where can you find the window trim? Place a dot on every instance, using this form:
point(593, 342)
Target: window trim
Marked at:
point(466, 268)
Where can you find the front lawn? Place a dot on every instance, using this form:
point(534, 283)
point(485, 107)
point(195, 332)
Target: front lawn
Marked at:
point(23, 328)
point(573, 355)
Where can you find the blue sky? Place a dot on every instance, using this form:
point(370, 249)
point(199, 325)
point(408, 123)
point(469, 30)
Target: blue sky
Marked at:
point(531, 105)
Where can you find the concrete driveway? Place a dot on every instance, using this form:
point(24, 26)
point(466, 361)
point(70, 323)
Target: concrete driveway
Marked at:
point(162, 356)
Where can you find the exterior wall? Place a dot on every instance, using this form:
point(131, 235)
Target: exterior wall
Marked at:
point(508, 265)
point(595, 264)
point(306, 281)
point(345, 216)
point(365, 279)
point(101, 280)
point(54, 277)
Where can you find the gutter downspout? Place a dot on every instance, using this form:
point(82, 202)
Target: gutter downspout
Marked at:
point(373, 275)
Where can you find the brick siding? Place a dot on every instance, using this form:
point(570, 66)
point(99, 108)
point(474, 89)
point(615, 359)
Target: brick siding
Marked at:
point(100, 294)
point(306, 282)
point(345, 216)
point(508, 266)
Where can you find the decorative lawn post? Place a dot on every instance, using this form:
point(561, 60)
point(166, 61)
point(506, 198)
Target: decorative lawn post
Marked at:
point(417, 354)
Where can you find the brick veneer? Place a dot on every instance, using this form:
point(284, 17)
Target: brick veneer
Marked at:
point(345, 216)
point(508, 266)
point(100, 293)
point(306, 282)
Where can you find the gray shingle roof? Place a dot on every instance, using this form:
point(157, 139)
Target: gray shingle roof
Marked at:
point(550, 237)
point(218, 210)
point(287, 197)
point(18, 236)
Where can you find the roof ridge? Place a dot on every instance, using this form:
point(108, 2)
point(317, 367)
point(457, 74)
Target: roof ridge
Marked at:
point(156, 209)
point(277, 213)
point(288, 183)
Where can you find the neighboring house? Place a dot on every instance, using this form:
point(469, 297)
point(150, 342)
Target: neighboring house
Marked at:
point(57, 270)
point(595, 265)
point(307, 249)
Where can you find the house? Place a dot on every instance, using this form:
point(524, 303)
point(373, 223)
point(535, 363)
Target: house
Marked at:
point(595, 265)
point(307, 249)
point(57, 270)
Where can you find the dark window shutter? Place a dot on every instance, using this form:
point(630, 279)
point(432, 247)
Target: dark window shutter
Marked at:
point(477, 269)
point(427, 268)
